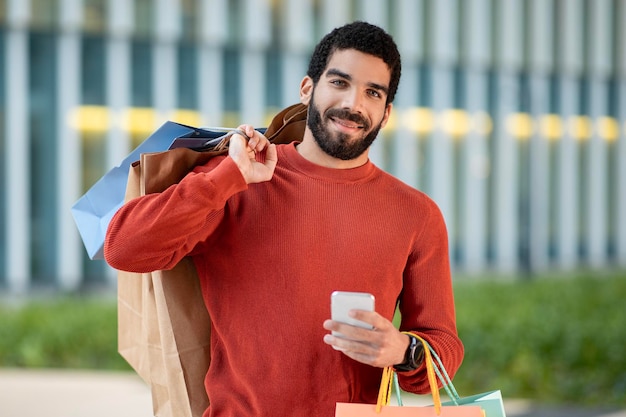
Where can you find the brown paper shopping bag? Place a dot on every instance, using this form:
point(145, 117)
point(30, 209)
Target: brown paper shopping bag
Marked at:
point(163, 325)
point(160, 336)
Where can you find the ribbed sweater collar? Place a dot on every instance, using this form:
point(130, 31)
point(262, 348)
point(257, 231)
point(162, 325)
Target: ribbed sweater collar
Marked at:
point(289, 155)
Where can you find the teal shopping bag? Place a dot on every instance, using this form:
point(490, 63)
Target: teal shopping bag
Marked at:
point(490, 402)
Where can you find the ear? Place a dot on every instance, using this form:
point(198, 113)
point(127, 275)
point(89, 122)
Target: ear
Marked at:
point(386, 115)
point(306, 89)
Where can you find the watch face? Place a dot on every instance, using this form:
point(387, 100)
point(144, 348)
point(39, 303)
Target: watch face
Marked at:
point(410, 357)
point(416, 353)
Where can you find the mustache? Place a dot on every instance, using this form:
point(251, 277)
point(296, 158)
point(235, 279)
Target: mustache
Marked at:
point(348, 115)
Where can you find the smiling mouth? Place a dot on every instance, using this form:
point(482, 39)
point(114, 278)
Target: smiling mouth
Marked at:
point(346, 123)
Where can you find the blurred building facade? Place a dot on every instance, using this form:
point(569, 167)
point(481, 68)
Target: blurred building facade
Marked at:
point(511, 114)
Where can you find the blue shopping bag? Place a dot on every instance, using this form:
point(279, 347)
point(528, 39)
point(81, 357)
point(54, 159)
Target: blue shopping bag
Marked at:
point(94, 210)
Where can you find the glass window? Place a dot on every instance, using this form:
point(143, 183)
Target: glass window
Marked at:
point(553, 149)
point(141, 74)
point(3, 195)
point(93, 77)
point(613, 181)
point(144, 18)
point(42, 58)
point(273, 84)
point(189, 18)
point(3, 11)
point(187, 76)
point(425, 100)
point(141, 118)
point(235, 13)
point(95, 16)
point(493, 96)
point(44, 14)
point(93, 149)
point(231, 85)
point(93, 91)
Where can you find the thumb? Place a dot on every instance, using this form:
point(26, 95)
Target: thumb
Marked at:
point(238, 152)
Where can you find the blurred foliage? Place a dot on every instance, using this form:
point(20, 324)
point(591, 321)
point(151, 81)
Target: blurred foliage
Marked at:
point(551, 339)
point(60, 333)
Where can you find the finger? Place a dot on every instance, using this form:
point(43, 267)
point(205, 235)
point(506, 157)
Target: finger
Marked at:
point(370, 317)
point(349, 332)
point(255, 139)
point(354, 349)
point(260, 142)
point(271, 156)
point(237, 144)
point(247, 129)
point(241, 137)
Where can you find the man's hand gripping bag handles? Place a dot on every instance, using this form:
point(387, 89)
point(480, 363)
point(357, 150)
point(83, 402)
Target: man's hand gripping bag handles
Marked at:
point(482, 405)
point(163, 326)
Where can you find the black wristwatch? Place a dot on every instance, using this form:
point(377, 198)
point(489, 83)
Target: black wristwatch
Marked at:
point(413, 356)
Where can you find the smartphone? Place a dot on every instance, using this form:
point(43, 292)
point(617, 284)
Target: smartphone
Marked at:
point(341, 302)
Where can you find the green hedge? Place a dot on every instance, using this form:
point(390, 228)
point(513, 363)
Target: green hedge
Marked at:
point(553, 340)
point(66, 333)
point(549, 339)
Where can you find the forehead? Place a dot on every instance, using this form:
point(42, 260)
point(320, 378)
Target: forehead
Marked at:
point(361, 67)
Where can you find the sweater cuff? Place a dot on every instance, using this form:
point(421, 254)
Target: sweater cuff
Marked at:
point(227, 178)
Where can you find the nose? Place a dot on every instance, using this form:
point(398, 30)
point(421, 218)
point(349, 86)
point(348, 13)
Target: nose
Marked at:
point(352, 100)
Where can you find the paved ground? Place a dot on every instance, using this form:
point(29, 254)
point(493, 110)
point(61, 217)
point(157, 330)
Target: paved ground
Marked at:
point(72, 394)
point(52, 393)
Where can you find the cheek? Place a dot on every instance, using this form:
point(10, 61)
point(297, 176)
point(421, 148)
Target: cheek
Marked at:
point(385, 117)
point(383, 121)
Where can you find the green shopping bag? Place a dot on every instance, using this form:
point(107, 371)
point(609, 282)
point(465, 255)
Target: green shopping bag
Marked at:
point(490, 402)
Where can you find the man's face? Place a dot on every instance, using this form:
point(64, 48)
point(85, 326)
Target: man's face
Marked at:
point(348, 106)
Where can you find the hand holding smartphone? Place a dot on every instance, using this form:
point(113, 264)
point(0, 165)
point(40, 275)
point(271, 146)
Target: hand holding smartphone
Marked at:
point(341, 302)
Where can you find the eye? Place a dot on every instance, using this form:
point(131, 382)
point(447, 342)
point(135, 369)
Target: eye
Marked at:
point(338, 83)
point(374, 93)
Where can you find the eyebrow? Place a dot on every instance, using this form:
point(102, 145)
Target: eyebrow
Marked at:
point(337, 73)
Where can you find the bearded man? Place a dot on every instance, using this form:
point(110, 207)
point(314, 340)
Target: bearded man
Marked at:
point(273, 230)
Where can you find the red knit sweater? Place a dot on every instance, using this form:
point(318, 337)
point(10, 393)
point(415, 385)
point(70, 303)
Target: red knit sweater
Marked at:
point(269, 255)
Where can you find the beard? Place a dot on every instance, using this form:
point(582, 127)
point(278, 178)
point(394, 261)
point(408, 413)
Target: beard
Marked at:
point(339, 145)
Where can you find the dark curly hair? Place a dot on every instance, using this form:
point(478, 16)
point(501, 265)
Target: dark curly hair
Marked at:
point(363, 37)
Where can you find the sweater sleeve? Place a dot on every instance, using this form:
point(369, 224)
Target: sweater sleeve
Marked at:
point(156, 231)
point(427, 301)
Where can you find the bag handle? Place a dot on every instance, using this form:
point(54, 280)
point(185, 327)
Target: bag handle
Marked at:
point(443, 376)
point(434, 370)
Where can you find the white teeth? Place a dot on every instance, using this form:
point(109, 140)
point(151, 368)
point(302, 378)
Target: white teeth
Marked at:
point(346, 124)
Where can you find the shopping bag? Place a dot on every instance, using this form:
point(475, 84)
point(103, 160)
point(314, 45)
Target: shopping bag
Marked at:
point(491, 402)
point(159, 335)
point(163, 325)
point(369, 410)
point(93, 211)
point(481, 405)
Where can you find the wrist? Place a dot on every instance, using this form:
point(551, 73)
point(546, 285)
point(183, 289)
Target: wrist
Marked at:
point(413, 356)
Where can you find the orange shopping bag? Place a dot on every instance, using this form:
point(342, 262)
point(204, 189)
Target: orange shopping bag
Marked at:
point(457, 408)
point(369, 410)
